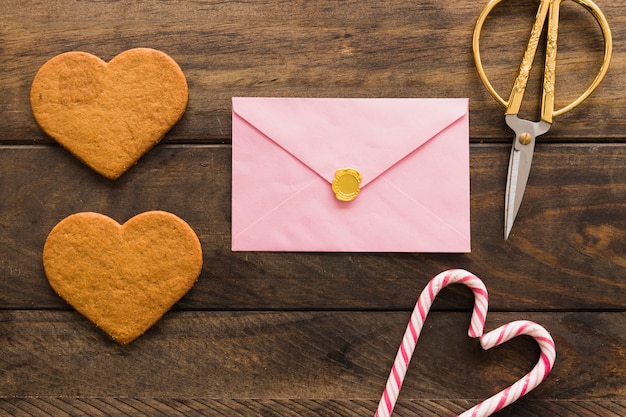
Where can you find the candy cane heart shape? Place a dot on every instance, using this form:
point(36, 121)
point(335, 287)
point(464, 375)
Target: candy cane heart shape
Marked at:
point(489, 340)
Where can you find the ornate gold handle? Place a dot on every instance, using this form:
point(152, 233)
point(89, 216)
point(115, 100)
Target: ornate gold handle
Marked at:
point(550, 9)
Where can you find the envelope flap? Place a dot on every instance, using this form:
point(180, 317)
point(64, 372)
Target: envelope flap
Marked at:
point(369, 135)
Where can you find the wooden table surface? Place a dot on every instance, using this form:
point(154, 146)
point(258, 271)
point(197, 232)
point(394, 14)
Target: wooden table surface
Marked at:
point(315, 334)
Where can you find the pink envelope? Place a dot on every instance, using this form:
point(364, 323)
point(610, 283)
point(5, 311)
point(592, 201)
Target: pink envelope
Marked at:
point(412, 154)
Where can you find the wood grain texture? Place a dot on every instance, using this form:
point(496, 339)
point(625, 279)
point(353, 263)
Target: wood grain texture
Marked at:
point(565, 252)
point(97, 407)
point(303, 355)
point(314, 334)
point(401, 48)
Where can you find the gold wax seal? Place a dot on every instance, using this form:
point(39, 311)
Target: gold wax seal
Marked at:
point(347, 184)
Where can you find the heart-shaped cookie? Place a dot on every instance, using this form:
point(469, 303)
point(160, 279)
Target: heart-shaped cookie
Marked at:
point(109, 114)
point(494, 338)
point(122, 277)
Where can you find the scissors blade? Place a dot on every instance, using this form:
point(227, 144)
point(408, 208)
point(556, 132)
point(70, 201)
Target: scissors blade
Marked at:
point(521, 158)
point(519, 170)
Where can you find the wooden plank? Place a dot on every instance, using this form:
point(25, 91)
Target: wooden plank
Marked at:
point(200, 407)
point(303, 356)
point(565, 252)
point(320, 49)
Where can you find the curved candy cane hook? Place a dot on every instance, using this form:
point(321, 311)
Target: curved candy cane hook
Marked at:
point(531, 380)
point(414, 328)
point(489, 340)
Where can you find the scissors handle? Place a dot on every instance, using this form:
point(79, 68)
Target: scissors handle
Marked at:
point(547, 9)
point(519, 87)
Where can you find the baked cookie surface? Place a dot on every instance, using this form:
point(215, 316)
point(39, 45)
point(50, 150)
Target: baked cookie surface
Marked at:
point(109, 115)
point(123, 278)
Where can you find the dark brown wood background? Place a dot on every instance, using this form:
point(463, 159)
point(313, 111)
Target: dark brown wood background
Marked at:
point(292, 334)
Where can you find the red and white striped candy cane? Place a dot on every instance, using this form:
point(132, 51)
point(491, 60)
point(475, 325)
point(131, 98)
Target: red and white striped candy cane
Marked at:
point(489, 340)
point(531, 380)
point(416, 322)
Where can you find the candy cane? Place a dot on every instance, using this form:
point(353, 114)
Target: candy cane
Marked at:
point(531, 380)
point(425, 301)
point(489, 340)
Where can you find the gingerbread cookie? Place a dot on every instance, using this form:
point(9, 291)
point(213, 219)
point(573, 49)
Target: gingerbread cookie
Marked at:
point(122, 277)
point(109, 114)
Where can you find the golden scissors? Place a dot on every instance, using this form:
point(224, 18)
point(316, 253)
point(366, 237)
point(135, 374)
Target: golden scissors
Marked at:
point(527, 131)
